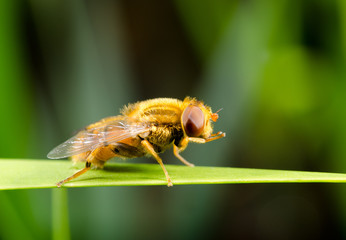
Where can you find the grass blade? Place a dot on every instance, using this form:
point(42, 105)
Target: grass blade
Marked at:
point(28, 174)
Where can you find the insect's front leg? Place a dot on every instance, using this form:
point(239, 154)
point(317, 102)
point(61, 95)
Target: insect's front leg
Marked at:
point(149, 149)
point(183, 144)
point(208, 139)
point(176, 151)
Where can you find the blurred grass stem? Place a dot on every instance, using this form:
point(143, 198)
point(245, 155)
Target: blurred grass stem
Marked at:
point(60, 219)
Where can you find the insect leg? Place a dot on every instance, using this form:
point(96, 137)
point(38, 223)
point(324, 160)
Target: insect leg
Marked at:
point(149, 148)
point(209, 139)
point(176, 153)
point(88, 162)
point(80, 172)
point(215, 137)
point(215, 134)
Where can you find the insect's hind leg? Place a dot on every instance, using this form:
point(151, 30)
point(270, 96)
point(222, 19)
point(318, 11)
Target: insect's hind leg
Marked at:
point(77, 174)
point(90, 159)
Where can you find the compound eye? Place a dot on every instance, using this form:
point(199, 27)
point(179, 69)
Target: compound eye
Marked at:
point(193, 121)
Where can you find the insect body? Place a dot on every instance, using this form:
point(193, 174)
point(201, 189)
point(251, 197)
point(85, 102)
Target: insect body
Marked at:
point(144, 129)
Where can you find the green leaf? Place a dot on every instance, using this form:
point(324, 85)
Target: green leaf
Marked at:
point(27, 174)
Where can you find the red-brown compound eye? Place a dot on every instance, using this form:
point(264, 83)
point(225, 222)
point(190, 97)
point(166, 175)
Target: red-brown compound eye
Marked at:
point(193, 121)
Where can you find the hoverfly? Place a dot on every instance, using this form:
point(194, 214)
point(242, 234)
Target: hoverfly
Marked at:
point(143, 129)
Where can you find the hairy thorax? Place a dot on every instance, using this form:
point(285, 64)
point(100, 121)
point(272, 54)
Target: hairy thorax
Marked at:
point(164, 115)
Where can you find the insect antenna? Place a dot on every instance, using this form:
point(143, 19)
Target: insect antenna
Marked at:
point(215, 115)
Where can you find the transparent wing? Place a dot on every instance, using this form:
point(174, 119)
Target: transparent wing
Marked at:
point(103, 134)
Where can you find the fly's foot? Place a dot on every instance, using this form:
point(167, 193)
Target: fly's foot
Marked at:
point(169, 184)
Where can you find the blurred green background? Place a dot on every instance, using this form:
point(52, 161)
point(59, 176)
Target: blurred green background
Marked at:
point(277, 68)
